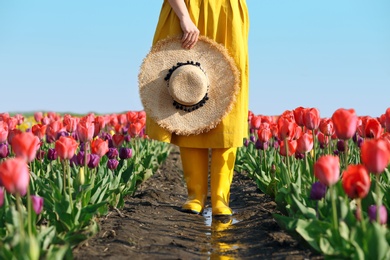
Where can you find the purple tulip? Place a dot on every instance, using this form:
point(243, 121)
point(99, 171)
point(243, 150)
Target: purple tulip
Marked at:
point(382, 214)
point(341, 145)
point(52, 154)
point(40, 155)
point(318, 191)
point(127, 138)
point(37, 203)
point(112, 153)
point(81, 158)
point(360, 141)
point(125, 153)
point(1, 196)
point(246, 142)
point(4, 151)
point(112, 164)
point(252, 138)
point(94, 161)
point(62, 133)
point(74, 161)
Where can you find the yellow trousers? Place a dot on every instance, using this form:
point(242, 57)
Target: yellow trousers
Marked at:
point(196, 170)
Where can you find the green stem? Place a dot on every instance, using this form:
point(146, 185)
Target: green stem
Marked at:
point(378, 199)
point(29, 211)
point(21, 220)
point(64, 176)
point(359, 209)
point(287, 158)
point(69, 184)
point(314, 145)
point(334, 209)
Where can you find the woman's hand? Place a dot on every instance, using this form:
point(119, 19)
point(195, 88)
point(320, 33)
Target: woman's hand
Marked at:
point(190, 33)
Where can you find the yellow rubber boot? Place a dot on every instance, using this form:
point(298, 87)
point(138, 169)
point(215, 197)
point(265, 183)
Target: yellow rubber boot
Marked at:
point(222, 169)
point(195, 163)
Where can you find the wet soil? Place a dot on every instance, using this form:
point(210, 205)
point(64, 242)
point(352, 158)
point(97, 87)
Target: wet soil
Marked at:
point(152, 226)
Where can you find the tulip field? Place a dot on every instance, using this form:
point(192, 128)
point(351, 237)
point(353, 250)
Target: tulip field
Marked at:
point(329, 177)
point(58, 174)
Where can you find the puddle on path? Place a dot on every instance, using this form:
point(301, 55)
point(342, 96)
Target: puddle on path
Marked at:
point(220, 248)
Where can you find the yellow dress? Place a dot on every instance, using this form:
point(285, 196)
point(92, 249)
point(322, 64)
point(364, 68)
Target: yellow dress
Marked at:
point(226, 22)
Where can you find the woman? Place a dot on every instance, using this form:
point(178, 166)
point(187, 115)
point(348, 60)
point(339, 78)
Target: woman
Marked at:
point(226, 22)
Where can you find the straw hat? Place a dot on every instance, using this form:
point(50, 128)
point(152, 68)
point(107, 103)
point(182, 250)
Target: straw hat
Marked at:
point(188, 91)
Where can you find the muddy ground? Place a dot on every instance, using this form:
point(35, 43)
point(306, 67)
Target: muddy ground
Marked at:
point(152, 226)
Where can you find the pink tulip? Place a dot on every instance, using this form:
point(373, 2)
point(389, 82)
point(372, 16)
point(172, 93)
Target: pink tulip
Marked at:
point(14, 175)
point(305, 143)
point(37, 203)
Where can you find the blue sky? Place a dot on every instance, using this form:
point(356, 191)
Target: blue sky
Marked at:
point(84, 56)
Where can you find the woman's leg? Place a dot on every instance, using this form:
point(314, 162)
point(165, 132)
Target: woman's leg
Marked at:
point(196, 170)
point(222, 169)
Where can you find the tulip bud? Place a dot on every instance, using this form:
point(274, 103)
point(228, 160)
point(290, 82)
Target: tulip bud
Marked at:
point(382, 214)
point(81, 158)
point(37, 203)
point(112, 153)
point(52, 154)
point(4, 151)
point(112, 164)
point(81, 176)
point(73, 161)
point(318, 191)
point(127, 138)
point(94, 161)
point(125, 153)
point(341, 145)
point(40, 155)
point(246, 142)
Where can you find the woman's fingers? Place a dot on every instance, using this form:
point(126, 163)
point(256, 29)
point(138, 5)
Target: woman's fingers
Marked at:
point(190, 39)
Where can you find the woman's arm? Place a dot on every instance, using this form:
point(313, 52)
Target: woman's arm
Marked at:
point(190, 31)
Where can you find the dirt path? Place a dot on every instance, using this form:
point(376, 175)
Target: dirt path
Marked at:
point(151, 225)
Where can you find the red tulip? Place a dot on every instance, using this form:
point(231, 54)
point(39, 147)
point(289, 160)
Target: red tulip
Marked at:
point(117, 140)
point(286, 128)
point(326, 126)
point(99, 147)
point(356, 181)
point(255, 122)
point(292, 147)
point(298, 115)
point(15, 176)
point(66, 147)
point(345, 123)
point(135, 128)
point(3, 131)
point(375, 155)
point(387, 120)
point(323, 140)
point(25, 145)
point(327, 169)
point(264, 133)
point(39, 130)
point(372, 128)
point(305, 143)
point(70, 123)
point(85, 130)
point(311, 118)
point(52, 130)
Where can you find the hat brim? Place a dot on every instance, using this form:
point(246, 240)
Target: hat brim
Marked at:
point(222, 73)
